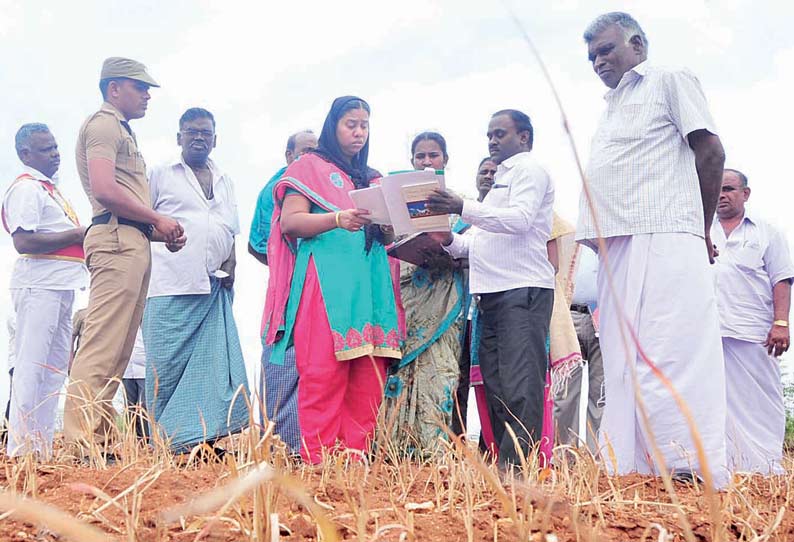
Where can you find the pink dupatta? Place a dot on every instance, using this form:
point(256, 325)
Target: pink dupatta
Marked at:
point(324, 185)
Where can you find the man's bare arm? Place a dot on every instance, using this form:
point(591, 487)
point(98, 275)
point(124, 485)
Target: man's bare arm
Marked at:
point(229, 266)
point(709, 161)
point(261, 258)
point(28, 242)
point(778, 339)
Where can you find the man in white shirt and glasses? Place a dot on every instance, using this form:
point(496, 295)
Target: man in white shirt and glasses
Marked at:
point(654, 173)
point(196, 386)
point(754, 275)
point(510, 270)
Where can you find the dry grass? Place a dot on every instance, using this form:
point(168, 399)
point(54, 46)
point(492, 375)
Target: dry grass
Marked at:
point(258, 494)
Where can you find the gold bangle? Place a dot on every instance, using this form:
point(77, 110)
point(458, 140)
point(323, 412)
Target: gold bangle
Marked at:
point(336, 219)
point(781, 323)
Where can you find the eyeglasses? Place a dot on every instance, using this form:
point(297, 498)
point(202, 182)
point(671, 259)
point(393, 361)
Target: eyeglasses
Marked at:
point(190, 132)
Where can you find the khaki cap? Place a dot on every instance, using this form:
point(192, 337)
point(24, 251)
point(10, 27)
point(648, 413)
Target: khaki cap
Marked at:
point(117, 66)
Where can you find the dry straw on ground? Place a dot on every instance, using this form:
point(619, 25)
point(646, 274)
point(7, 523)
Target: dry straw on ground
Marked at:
point(257, 493)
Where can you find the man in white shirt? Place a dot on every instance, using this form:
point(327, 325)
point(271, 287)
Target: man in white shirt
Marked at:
point(754, 275)
point(195, 368)
point(510, 270)
point(654, 174)
point(51, 266)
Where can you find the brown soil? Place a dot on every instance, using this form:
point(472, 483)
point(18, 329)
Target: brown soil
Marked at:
point(622, 509)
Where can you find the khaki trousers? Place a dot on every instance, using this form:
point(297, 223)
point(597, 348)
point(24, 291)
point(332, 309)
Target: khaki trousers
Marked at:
point(566, 402)
point(119, 261)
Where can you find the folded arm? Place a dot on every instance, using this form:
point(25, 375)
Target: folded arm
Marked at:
point(29, 242)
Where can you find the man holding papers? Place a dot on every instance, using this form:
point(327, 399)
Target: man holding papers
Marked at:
point(510, 270)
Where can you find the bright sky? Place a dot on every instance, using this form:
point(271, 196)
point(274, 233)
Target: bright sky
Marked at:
point(267, 69)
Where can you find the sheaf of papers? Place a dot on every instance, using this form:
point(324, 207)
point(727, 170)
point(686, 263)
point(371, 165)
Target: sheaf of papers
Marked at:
point(401, 201)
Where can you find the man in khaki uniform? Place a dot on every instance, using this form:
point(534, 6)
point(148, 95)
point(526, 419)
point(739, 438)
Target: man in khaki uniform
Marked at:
point(113, 174)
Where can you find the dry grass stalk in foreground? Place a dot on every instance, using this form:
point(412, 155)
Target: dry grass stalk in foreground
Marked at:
point(257, 494)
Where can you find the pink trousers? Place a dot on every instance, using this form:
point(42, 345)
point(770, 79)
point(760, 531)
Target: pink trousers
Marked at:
point(338, 401)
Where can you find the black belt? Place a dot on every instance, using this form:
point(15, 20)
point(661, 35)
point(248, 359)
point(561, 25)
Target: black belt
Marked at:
point(578, 307)
point(104, 218)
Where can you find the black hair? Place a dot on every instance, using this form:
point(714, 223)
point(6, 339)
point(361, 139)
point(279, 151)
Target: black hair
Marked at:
point(486, 159)
point(742, 176)
point(105, 83)
point(521, 120)
point(431, 136)
point(196, 113)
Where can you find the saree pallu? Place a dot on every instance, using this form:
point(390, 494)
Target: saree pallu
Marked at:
point(420, 390)
point(196, 384)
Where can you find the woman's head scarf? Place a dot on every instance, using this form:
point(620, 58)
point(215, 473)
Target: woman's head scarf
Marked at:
point(357, 169)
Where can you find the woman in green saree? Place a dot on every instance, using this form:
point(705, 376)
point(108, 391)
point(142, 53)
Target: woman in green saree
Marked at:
point(420, 389)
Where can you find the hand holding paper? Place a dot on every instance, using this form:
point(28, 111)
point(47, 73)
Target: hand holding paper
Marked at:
point(442, 201)
point(353, 219)
point(402, 201)
point(443, 238)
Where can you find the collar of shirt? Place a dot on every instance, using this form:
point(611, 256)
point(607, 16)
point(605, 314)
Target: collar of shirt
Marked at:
point(632, 75)
point(217, 175)
point(512, 161)
point(214, 169)
point(107, 106)
point(40, 176)
point(749, 216)
point(110, 108)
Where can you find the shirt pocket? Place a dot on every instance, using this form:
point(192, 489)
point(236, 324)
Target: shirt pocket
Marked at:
point(634, 120)
point(749, 257)
point(130, 158)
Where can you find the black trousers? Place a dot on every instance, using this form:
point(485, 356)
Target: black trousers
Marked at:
point(513, 361)
point(135, 392)
point(461, 408)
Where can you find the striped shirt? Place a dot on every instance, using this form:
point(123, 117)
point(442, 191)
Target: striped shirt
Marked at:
point(506, 245)
point(641, 172)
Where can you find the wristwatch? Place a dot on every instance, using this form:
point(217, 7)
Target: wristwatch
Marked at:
point(781, 323)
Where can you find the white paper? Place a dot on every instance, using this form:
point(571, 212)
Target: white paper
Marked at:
point(388, 205)
point(372, 200)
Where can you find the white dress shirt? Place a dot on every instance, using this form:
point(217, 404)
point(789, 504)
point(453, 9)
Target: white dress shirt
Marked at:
point(28, 206)
point(641, 170)
point(506, 244)
point(585, 287)
point(210, 227)
point(752, 260)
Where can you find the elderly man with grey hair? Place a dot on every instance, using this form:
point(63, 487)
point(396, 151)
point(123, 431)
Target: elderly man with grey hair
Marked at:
point(50, 267)
point(655, 172)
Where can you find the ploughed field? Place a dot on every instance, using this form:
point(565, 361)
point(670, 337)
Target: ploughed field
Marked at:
point(256, 493)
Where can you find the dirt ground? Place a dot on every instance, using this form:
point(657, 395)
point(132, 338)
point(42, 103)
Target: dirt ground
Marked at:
point(620, 509)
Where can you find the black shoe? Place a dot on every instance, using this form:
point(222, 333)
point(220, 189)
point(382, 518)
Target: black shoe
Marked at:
point(110, 459)
point(687, 477)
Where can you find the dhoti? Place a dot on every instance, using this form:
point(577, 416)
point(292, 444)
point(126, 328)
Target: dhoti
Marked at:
point(756, 414)
point(196, 384)
point(665, 289)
